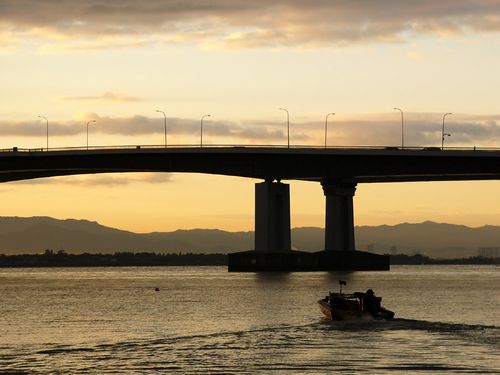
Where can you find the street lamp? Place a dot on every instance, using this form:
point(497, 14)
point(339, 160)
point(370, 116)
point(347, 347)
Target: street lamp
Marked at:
point(287, 124)
point(165, 118)
point(443, 134)
point(47, 121)
point(326, 124)
point(402, 129)
point(88, 122)
point(201, 129)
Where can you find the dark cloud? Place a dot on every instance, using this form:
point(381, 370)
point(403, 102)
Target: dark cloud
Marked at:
point(142, 125)
point(421, 129)
point(241, 24)
point(425, 130)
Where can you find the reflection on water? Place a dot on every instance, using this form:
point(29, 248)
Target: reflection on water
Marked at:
point(271, 277)
point(332, 278)
point(204, 320)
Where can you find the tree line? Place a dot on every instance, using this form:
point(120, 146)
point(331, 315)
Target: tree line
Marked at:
point(403, 259)
point(60, 258)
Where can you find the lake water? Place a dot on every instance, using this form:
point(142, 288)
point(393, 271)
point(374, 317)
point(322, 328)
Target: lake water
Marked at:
point(206, 320)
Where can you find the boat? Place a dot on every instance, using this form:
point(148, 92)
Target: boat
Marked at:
point(349, 306)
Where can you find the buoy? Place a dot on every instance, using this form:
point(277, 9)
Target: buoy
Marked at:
point(157, 289)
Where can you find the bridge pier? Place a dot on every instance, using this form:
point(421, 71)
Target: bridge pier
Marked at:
point(272, 235)
point(339, 223)
point(272, 217)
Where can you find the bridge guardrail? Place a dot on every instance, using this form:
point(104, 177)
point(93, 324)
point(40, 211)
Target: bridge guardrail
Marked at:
point(251, 146)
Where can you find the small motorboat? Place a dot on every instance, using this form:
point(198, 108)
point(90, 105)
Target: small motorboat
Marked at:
point(344, 306)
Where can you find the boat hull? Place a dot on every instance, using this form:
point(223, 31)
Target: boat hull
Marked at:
point(332, 313)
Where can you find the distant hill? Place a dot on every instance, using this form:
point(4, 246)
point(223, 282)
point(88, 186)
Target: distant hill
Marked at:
point(433, 239)
point(35, 234)
point(21, 235)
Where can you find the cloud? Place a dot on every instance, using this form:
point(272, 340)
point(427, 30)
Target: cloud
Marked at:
point(107, 96)
point(421, 129)
point(93, 44)
point(8, 41)
point(243, 24)
point(104, 180)
point(258, 131)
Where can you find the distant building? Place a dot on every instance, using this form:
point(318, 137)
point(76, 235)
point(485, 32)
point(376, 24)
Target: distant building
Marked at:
point(489, 252)
point(394, 250)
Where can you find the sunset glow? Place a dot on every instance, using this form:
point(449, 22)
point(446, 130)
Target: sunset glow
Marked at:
point(119, 62)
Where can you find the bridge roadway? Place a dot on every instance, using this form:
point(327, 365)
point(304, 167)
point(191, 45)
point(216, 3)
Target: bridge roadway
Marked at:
point(339, 170)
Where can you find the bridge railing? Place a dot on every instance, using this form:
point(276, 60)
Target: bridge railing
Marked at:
point(250, 146)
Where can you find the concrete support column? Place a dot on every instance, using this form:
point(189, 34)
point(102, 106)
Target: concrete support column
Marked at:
point(272, 217)
point(339, 227)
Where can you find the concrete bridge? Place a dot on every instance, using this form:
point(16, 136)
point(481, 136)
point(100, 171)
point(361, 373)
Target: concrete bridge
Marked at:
point(338, 170)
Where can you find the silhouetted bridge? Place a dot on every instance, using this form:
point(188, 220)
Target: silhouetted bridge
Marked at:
point(338, 170)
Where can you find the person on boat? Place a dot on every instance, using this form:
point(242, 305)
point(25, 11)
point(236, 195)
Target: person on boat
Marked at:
point(370, 303)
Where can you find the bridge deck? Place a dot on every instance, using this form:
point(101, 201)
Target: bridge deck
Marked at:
point(388, 164)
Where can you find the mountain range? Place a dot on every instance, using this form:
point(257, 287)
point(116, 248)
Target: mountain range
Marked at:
point(20, 235)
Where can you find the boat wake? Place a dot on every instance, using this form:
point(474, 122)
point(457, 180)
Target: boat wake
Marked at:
point(486, 334)
point(483, 333)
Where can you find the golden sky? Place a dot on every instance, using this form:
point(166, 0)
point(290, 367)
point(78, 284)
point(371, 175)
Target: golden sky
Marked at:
point(118, 62)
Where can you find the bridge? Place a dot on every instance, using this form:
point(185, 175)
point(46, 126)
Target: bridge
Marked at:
point(338, 170)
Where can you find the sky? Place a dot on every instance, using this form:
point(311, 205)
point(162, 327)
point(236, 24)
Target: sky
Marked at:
point(118, 62)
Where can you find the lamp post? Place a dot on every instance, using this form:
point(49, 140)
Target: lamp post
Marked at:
point(47, 122)
point(443, 134)
point(287, 124)
point(402, 129)
point(88, 122)
point(201, 129)
point(326, 125)
point(165, 118)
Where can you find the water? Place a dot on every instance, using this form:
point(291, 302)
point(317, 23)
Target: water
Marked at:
point(205, 320)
